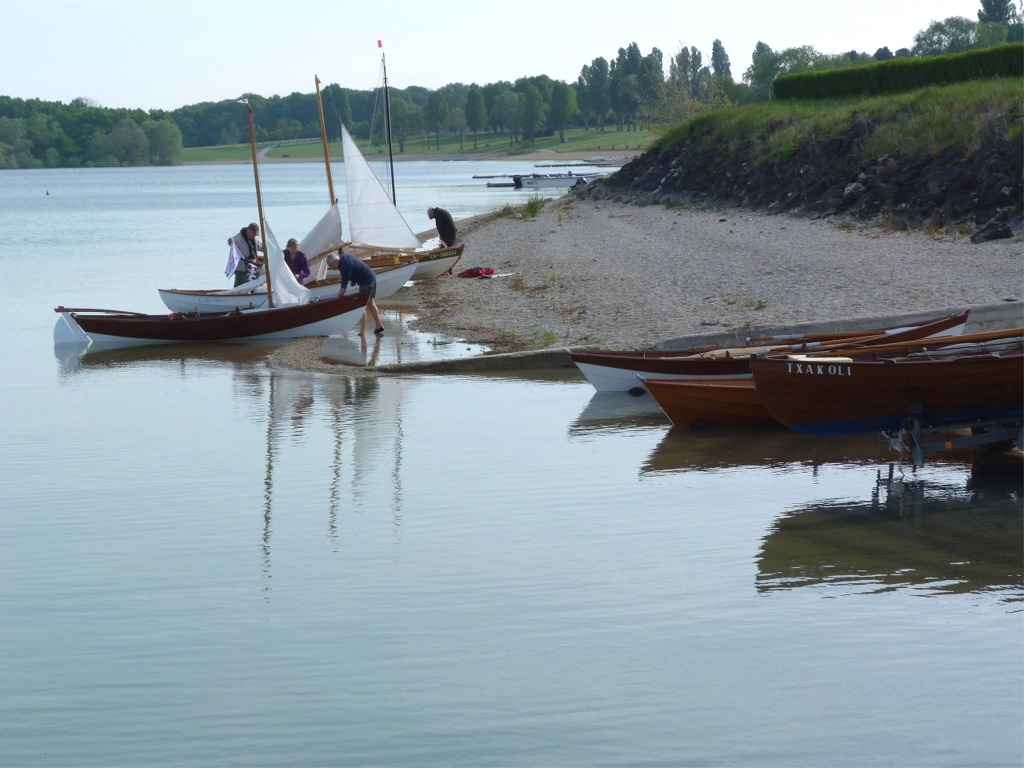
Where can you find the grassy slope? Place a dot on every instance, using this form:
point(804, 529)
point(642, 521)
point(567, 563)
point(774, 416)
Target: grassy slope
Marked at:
point(924, 122)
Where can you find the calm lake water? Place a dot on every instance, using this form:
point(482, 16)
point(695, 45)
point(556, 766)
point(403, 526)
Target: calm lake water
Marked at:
point(208, 561)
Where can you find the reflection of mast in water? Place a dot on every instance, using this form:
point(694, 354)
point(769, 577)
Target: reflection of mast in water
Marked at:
point(268, 486)
point(377, 423)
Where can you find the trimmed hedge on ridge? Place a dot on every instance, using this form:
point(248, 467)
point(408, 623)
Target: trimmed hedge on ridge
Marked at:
point(904, 74)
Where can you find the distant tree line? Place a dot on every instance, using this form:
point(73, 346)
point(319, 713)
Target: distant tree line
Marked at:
point(619, 94)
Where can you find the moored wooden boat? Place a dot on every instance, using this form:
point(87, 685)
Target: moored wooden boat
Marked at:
point(947, 382)
point(389, 279)
point(618, 371)
point(317, 318)
point(705, 403)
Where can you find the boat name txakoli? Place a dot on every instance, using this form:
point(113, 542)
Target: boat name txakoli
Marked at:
point(809, 368)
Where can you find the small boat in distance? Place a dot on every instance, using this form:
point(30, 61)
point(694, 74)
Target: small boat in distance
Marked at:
point(552, 180)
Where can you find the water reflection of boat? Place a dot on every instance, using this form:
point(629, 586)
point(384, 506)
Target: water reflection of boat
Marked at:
point(617, 411)
point(684, 449)
point(75, 357)
point(939, 539)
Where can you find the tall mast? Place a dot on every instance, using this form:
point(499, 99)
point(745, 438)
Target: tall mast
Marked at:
point(323, 137)
point(387, 125)
point(259, 204)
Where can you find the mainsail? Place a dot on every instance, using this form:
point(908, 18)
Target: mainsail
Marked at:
point(373, 218)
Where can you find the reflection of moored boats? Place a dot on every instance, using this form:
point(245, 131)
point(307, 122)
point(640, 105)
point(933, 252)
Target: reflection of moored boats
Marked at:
point(610, 410)
point(683, 451)
point(941, 540)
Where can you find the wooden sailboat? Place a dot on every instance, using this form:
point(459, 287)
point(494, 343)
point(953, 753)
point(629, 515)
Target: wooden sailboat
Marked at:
point(289, 312)
point(376, 226)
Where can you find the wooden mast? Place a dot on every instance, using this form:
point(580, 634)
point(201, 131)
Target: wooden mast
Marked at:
point(387, 126)
point(323, 137)
point(259, 204)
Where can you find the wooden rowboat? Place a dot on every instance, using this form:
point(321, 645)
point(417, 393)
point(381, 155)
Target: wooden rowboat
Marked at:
point(948, 382)
point(704, 403)
point(618, 371)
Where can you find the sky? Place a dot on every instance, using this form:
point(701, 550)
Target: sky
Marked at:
point(144, 55)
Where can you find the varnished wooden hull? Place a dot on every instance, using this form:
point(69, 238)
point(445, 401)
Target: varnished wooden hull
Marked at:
point(618, 371)
point(842, 396)
point(318, 318)
point(703, 403)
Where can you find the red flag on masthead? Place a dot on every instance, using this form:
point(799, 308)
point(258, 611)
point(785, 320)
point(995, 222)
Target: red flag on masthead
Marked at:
point(380, 44)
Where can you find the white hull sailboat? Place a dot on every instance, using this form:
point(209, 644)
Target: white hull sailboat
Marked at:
point(377, 227)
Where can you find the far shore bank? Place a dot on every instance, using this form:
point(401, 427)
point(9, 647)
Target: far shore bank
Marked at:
point(613, 158)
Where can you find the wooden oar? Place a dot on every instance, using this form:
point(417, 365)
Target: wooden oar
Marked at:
point(100, 311)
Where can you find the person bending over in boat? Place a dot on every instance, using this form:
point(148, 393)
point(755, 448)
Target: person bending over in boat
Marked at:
point(248, 267)
point(356, 272)
point(296, 261)
point(445, 225)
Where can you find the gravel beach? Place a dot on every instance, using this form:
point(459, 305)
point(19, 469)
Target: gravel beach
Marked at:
point(600, 273)
point(617, 275)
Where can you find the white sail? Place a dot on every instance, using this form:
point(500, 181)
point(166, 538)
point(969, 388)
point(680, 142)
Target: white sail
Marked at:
point(287, 291)
point(372, 216)
point(324, 236)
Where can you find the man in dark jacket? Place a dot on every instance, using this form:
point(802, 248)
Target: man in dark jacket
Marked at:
point(356, 272)
point(445, 225)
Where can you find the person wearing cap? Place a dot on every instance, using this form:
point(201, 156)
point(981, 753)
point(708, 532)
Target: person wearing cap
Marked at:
point(248, 267)
point(445, 225)
point(356, 272)
point(296, 261)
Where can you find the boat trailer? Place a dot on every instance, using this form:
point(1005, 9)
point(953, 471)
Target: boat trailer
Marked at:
point(912, 438)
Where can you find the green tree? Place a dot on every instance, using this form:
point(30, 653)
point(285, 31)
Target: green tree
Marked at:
point(508, 111)
point(534, 113)
point(125, 145)
point(15, 147)
point(476, 111)
point(595, 79)
point(720, 66)
point(952, 35)
point(562, 108)
point(406, 121)
point(164, 141)
point(436, 115)
point(998, 12)
point(765, 66)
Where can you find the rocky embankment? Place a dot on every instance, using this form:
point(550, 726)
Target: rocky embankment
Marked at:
point(980, 193)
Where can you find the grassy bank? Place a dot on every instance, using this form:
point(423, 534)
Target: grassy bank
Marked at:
point(925, 122)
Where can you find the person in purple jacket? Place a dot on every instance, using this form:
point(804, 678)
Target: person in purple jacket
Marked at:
point(296, 261)
point(356, 272)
